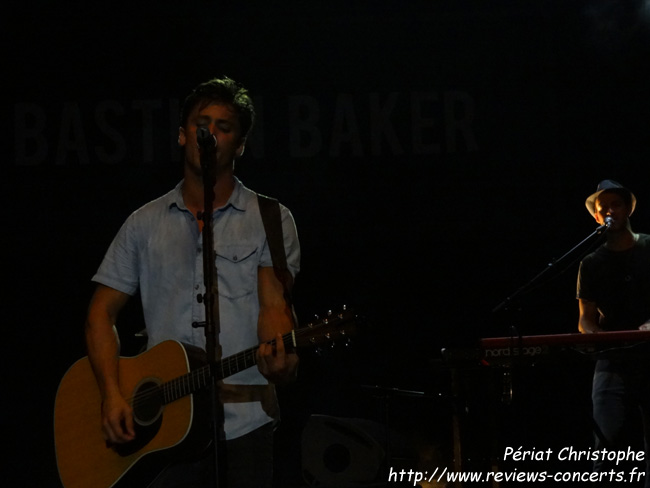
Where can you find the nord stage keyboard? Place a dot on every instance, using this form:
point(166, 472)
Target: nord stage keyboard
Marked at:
point(506, 349)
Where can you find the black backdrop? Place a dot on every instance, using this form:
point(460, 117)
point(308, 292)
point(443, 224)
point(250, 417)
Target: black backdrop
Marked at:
point(436, 157)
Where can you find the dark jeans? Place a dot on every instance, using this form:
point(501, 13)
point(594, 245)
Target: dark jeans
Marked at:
point(621, 391)
point(249, 461)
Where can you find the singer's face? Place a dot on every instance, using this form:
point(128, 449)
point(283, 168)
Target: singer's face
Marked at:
point(613, 205)
point(222, 121)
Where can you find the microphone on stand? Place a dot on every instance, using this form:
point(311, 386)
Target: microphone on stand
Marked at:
point(606, 225)
point(206, 140)
point(207, 144)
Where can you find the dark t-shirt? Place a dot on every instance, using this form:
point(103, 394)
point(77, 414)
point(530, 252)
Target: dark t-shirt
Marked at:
point(619, 283)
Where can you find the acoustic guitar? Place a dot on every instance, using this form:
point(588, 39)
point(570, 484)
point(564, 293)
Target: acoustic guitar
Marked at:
point(166, 388)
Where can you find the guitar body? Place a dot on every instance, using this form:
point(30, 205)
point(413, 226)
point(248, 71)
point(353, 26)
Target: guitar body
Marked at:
point(163, 432)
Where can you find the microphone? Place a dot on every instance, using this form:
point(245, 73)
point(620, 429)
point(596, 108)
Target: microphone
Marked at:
point(207, 143)
point(205, 140)
point(606, 225)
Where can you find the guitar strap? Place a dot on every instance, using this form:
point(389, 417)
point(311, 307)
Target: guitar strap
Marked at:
point(272, 220)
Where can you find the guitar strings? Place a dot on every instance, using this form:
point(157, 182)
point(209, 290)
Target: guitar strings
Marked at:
point(186, 384)
point(192, 381)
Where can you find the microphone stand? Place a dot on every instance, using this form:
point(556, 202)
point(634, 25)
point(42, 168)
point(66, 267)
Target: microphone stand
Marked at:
point(550, 266)
point(208, 151)
point(508, 379)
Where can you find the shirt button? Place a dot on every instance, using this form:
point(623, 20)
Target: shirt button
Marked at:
point(198, 250)
point(196, 287)
point(234, 258)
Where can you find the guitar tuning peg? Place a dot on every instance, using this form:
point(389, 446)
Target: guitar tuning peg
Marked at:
point(318, 351)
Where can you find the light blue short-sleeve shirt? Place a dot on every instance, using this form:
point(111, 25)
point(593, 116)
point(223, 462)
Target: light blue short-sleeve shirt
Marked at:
point(158, 251)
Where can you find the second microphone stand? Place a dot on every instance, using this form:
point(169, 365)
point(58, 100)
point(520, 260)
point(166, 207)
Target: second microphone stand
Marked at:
point(550, 266)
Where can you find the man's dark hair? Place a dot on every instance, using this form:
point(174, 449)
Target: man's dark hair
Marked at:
point(222, 91)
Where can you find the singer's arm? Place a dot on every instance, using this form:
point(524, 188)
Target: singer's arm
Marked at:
point(589, 315)
point(103, 353)
point(276, 364)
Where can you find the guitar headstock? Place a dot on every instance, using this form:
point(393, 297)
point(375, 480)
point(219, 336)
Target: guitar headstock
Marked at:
point(334, 326)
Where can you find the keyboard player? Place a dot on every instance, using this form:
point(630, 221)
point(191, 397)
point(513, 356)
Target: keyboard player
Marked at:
point(613, 293)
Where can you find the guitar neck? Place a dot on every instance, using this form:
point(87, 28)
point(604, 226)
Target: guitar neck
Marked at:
point(246, 359)
point(200, 378)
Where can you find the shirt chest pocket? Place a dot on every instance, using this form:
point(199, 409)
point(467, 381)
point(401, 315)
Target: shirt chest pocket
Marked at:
point(236, 270)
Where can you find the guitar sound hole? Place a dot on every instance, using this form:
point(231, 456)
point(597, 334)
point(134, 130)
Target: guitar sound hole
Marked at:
point(147, 403)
